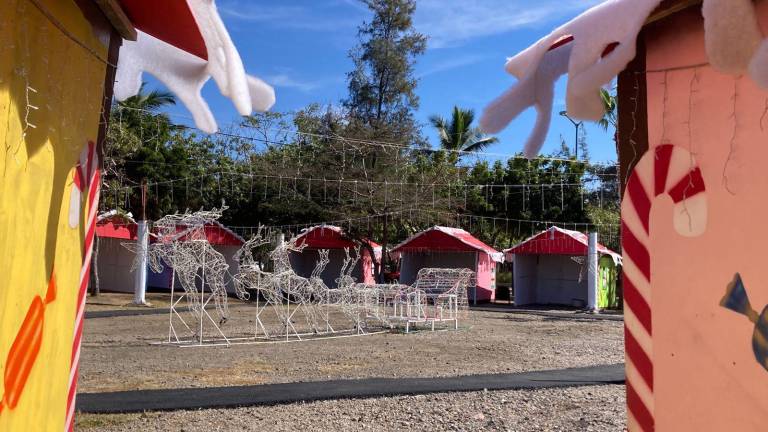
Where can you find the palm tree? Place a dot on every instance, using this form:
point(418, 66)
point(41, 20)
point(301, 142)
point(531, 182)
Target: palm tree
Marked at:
point(458, 135)
point(136, 122)
point(151, 101)
point(609, 103)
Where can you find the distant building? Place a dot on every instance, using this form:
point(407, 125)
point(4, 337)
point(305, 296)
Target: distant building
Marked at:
point(444, 247)
point(332, 238)
point(551, 268)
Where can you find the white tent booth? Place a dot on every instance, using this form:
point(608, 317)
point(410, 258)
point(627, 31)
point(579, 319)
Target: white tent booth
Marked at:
point(222, 239)
point(550, 268)
point(113, 260)
point(445, 247)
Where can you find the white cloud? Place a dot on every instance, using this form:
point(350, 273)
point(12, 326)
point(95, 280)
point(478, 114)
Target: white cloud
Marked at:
point(286, 81)
point(285, 78)
point(446, 22)
point(449, 64)
point(324, 18)
point(453, 22)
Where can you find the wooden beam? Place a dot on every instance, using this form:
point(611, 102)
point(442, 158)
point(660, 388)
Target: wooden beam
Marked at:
point(632, 101)
point(117, 17)
point(670, 7)
point(115, 41)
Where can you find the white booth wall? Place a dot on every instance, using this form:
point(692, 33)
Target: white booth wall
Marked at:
point(113, 263)
point(548, 279)
point(412, 262)
point(303, 263)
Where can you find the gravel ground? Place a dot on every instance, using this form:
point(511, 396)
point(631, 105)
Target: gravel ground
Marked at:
point(116, 349)
point(595, 408)
point(113, 301)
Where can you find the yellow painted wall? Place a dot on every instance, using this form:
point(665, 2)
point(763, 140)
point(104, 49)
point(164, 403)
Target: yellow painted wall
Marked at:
point(36, 178)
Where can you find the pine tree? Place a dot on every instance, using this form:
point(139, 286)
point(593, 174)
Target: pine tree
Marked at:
point(382, 85)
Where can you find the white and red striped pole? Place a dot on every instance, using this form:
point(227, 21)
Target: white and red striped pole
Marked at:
point(87, 177)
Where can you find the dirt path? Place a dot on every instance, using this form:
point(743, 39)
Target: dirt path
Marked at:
point(117, 354)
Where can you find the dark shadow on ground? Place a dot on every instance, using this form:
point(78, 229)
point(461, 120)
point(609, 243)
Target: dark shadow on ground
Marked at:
point(272, 394)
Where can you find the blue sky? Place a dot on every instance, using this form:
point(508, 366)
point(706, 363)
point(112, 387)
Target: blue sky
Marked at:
point(301, 46)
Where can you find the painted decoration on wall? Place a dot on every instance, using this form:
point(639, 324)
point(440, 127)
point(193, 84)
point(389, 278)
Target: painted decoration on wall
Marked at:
point(25, 348)
point(671, 171)
point(51, 92)
point(737, 300)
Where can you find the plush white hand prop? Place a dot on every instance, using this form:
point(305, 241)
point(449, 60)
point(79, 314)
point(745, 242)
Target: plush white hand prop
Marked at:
point(731, 34)
point(602, 43)
point(185, 74)
point(537, 90)
point(224, 63)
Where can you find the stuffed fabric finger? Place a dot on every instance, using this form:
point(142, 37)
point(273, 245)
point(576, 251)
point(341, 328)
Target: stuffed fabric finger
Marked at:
point(534, 90)
point(731, 34)
point(185, 74)
point(594, 59)
point(224, 62)
point(583, 97)
point(262, 94)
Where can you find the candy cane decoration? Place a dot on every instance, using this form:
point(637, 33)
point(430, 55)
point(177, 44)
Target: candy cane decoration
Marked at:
point(87, 177)
point(672, 171)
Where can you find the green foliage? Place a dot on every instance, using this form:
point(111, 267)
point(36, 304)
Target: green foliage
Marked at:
point(551, 194)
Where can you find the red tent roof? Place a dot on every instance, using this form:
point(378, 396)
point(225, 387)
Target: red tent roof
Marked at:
point(114, 225)
point(331, 237)
point(440, 238)
point(168, 20)
point(217, 234)
point(558, 241)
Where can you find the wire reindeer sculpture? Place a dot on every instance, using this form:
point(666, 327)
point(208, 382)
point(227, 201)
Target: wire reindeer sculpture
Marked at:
point(359, 301)
point(250, 274)
point(321, 293)
point(295, 288)
point(438, 295)
point(182, 244)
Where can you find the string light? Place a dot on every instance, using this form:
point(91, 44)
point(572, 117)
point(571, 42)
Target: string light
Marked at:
point(381, 144)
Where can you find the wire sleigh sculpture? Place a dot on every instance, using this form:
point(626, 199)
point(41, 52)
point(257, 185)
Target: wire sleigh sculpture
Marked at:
point(282, 304)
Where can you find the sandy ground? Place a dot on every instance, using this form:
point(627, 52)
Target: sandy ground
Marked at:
point(118, 355)
point(114, 301)
point(599, 408)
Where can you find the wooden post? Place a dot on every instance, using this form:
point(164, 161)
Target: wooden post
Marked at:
point(633, 115)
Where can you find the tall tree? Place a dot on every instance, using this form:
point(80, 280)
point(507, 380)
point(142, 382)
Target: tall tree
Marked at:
point(458, 135)
point(382, 87)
